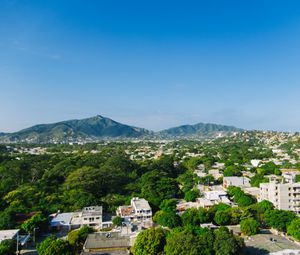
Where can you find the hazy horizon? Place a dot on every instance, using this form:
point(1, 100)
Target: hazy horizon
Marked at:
point(152, 65)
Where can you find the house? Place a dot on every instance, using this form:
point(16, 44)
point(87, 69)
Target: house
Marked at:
point(205, 203)
point(138, 210)
point(236, 181)
point(216, 197)
point(9, 234)
point(106, 243)
point(89, 216)
point(62, 221)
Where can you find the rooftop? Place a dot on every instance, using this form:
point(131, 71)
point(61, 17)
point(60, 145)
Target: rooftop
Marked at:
point(62, 218)
point(92, 210)
point(126, 210)
point(106, 240)
point(140, 203)
point(8, 234)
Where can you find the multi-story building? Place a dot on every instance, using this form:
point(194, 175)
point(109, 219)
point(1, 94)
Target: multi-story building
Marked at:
point(138, 210)
point(89, 216)
point(283, 192)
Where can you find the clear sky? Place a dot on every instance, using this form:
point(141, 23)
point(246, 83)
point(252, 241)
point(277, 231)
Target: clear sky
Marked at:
point(153, 64)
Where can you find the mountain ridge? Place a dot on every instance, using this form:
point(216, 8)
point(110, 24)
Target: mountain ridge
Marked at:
point(198, 129)
point(99, 127)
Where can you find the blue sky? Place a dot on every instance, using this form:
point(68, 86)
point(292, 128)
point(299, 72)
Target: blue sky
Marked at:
point(153, 64)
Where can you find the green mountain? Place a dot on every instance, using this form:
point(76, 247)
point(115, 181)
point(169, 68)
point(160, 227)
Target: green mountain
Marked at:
point(94, 128)
point(198, 130)
point(98, 128)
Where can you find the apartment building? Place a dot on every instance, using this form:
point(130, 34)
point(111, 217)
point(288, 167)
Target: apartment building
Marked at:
point(283, 192)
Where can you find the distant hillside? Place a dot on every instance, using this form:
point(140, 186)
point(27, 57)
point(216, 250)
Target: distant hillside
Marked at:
point(98, 128)
point(198, 130)
point(90, 128)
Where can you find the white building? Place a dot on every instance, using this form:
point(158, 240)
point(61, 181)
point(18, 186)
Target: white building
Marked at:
point(138, 210)
point(282, 191)
point(89, 216)
point(215, 197)
point(242, 182)
point(8, 234)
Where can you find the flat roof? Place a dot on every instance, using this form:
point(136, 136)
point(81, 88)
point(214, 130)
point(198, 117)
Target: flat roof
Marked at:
point(101, 241)
point(8, 234)
point(141, 203)
point(63, 218)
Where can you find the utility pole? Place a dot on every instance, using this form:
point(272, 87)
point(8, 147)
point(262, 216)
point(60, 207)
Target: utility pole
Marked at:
point(17, 251)
point(34, 229)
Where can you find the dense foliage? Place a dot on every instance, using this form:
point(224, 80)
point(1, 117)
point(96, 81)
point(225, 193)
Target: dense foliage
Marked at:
point(8, 247)
point(66, 182)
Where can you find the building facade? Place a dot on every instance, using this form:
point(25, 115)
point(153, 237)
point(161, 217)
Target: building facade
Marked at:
point(283, 192)
point(138, 210)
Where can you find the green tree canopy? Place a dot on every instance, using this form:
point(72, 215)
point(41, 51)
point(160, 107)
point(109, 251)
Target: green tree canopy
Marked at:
point(8, 247)
point(184, 244)
point(249, 227)
point(226, 243)
point(150, 242)
point(54, 246)
point(294, 229)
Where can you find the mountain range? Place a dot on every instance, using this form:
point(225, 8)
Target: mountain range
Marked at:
point(99, 127)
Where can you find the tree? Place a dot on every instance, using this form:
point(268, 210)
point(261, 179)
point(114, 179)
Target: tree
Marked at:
point(240, 197)
point(223, 218)
point(167, 219)
point(6, 219)
point(37, 221)
point(249, 227)
point(77, 237)
point(8, 247)
point(279, 219)
point(54, 246)
point(168, 205)
point(191, 195)
point(294, 229)
point(258, 210)
point(156, 187)
point(117, 221)
point(150, 242)
point(226, 243)
point(194, 217)
point(184, 244)
point(232, 170)
point(257, 179)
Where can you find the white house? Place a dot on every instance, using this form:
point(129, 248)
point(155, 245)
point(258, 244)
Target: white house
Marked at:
point(138, 210)
point(8, 234)
point(89, 216)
